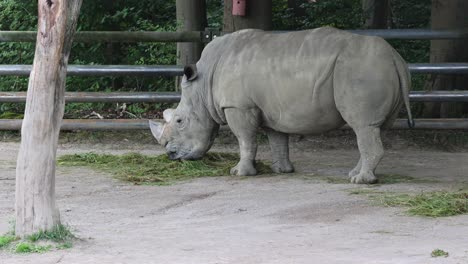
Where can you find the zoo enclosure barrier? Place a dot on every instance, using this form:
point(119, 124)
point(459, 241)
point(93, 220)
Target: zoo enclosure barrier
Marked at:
point(175, 70)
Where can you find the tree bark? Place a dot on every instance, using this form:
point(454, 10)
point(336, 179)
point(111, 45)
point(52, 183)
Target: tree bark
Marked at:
point(35, 172)
point(191, 16)
point(376, 13)
point(258, 15)
point(447, 14)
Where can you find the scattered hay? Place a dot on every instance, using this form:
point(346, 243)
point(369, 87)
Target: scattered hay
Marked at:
point(430, 204)
point(398, 178)
point(159, 170)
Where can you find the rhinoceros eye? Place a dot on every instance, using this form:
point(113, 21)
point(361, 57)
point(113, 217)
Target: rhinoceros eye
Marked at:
point(179, 120)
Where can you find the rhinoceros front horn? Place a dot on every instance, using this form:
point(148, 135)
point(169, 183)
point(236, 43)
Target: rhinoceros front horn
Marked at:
point(157, 128)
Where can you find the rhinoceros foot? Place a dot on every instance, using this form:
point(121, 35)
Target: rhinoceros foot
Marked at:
point(282, 166)
point(364, 178)
point(354, 172)
point(244, 168)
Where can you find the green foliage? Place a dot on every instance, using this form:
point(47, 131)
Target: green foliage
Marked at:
point(65, 245)
point(154, 15)
point(58, 234)
point(214, 13)
point(25, 247)
point(157, 170)
point(439, 253)
point(344, 14)
point(60, 237)
point(6, 240)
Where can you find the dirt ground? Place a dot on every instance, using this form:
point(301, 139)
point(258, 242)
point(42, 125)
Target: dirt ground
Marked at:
point(297, 218)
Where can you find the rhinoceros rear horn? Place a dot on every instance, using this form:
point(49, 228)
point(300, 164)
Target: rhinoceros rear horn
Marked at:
point(157, 128)
point(190, 71)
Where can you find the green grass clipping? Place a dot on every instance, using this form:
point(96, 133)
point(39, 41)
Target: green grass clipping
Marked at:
point(431, 204)
point(158, 170)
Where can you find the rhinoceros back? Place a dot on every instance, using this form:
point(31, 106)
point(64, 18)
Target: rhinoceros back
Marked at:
point(289, 77)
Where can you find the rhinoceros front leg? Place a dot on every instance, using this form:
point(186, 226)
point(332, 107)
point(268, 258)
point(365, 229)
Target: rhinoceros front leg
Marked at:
point(279, 144)
point(244, 124)
point(371, 149)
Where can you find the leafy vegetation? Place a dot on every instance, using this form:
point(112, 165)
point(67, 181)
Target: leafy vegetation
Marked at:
point(6, 240)
point(439, 253)
point(60, 237)
point(58, 234)
point(25, 247)
point(159, 170)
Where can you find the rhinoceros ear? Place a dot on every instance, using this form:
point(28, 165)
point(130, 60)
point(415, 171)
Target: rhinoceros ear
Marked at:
point(157, 128)
point(190, 71)
point(168, 114)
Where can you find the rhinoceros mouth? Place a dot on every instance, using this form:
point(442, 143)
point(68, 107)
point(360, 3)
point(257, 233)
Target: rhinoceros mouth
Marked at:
point(184, 155)
point(191, 156)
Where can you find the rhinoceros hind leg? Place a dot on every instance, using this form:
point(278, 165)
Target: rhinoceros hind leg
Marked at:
point(371, 149)
point(244, 124)
point(279, 144)
point(356, 170)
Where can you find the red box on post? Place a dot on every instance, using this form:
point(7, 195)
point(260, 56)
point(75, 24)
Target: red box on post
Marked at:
point(238, 7)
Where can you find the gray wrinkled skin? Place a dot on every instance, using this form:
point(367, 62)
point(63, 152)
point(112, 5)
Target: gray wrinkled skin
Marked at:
point(305, 82)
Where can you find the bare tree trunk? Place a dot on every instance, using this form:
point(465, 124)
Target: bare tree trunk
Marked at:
point(258, 15)
point(191, 16)
point(376, 13)
point(447, 14)
point(35, 172)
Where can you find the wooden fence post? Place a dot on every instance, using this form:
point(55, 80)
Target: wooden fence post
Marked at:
point(35, 172)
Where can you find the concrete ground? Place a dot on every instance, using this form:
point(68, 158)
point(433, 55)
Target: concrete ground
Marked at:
point(297, 218)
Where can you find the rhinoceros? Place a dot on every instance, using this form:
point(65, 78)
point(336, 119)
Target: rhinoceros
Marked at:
point(304, 82)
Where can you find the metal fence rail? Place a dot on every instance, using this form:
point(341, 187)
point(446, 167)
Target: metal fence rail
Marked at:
point(174, 70)
point(141, 124)
point(177, 70)
point(440, 68)
point(172, 97)
point(102, 70)
point(102, 97)
point(199, 36)
point(110, 36)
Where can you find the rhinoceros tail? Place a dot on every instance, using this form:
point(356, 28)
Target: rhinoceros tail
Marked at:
point(405, 84)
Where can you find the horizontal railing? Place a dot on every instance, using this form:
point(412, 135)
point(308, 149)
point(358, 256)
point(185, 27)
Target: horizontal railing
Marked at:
point(206, 36)
point(175, 70)
point(102, 97)
point(110, 36)
point(102, 70)
point(142, 124)
point(173, 97)
point(201, 36)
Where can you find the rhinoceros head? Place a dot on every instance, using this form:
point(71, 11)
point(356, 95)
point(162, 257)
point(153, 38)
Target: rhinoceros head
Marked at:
point(189, 130)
